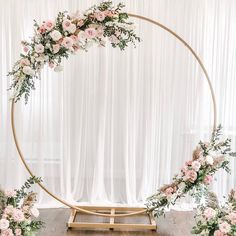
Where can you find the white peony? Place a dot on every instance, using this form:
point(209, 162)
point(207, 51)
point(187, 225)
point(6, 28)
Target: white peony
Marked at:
point(209, 160)
point(4, 224)
point(55, 35)
point(28, 70)
point(58, 68)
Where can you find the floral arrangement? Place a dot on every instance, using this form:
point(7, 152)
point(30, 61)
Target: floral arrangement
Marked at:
point(54, 40)
point(17, 211)
point(215, 220)
point(196, 174)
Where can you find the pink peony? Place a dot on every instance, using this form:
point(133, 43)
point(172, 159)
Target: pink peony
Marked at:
point(11, 193)
point(4, 224)
point(169, 191)
point(7, 232)
point(55, 48)
point(208, 179)
point(39, 48)
point(232, 217)
point(49, 25)
point(224, 227)
point(24, 62)
point(100, 16)
point(191, 175)
point(18, 215)
point(67, 42)
point(196, 165)
point(218, 233)
point(209, 213)
point(91, 33)
point(18, 232)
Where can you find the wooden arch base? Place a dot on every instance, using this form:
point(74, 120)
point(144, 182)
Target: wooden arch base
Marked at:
point(76, 219)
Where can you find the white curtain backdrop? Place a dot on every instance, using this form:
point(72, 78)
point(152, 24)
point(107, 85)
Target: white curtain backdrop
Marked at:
point(114, 126)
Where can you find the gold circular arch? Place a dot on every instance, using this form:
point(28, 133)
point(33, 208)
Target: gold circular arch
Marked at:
point(140, 211)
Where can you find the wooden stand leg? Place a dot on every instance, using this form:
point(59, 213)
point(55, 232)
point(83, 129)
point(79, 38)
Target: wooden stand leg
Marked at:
point(112, 224)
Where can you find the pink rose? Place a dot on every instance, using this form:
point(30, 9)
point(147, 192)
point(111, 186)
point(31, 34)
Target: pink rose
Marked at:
point(224, 227)
point(42, 29)
point(25, 49)
point(7, 232)
point(232, 217)
point(24, 62)
point(90, 33)
point(11, 193)
point(169, 191)
point(4, 224)
point(208, 179)
point(55, 48)
point(218, 233)
point(67, 42)
point(209, 213)
point(48, 25)
point(68, 26)
point(39, 48)
point(191, 175)
point(74, 37)
point(196, 165)
point(18, 215)
point(18, 232)
point(100, 16)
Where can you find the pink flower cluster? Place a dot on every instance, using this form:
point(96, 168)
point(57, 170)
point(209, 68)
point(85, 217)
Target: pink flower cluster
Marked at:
point(15, 216)
point(69, 33)
point(219, 219)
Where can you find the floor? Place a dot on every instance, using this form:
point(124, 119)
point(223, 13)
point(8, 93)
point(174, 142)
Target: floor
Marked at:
point(174, 224)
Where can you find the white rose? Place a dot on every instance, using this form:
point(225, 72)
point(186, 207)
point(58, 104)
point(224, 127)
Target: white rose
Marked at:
point(28, 70)
point(58, 68)
point(4, 224)
point(56, 35)
point(35, 212)
point(209, 160)
point(39, 48)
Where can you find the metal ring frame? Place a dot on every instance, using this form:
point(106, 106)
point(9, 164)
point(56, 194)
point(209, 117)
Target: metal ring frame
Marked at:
point(136, 212)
